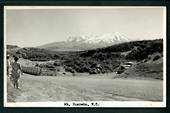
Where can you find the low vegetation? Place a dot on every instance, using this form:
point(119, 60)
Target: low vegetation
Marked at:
point(12, 46)
point(102, 60)
point(149, 70)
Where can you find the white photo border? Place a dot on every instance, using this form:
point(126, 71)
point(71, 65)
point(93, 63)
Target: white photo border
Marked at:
point(146, 104)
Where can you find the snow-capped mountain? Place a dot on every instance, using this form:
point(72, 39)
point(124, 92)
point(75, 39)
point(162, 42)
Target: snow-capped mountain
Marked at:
point(85, 42)
point(111, 38)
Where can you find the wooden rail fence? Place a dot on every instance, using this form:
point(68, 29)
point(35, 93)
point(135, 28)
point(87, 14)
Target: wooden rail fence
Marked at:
point(39, 71)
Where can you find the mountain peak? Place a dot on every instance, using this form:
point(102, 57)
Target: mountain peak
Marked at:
point(113, 38)
point(86, 42)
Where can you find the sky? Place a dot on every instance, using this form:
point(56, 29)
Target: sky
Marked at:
point(34, 27)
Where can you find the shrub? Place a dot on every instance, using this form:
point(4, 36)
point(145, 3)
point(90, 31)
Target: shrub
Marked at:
point(57, 63)
point(137, 54)
point(69, 69)
point(49, 65)
point(120, 70)
point(93, 71)
point(46, 65)
point(156, 57)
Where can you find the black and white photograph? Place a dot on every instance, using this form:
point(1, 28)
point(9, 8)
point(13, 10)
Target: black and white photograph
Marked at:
point(84, 56)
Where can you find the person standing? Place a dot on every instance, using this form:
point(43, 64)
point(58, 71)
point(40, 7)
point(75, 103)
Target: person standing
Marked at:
point(8, 66)
point(15, 73)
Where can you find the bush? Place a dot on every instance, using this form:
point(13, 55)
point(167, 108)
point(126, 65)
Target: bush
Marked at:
point(57, 63)
point(69, 69)
point(46, 65)
point(93, 71)
point(137, 53)
point(156, 57)
point(121, 69)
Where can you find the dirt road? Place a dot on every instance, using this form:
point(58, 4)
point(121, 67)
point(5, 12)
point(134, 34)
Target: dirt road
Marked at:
point(48, 88)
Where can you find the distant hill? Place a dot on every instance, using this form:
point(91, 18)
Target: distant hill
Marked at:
point(35, 54)
point(12, 46)
point(81, 43)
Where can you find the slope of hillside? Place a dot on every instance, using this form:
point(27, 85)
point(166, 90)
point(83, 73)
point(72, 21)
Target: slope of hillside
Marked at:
point(144, 70)
point(136, 50)
point(68, 46)
point(151, 67)
point(35, 54)
point(12, 47)
point(102, 60)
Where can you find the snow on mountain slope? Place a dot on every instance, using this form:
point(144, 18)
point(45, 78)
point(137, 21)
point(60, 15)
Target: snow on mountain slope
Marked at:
point(113, 38)
point(85, 42)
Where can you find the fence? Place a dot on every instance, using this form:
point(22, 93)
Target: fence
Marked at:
point(40, 71)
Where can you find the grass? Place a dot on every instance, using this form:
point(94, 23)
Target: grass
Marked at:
point(144, 70)
point(12, 93)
